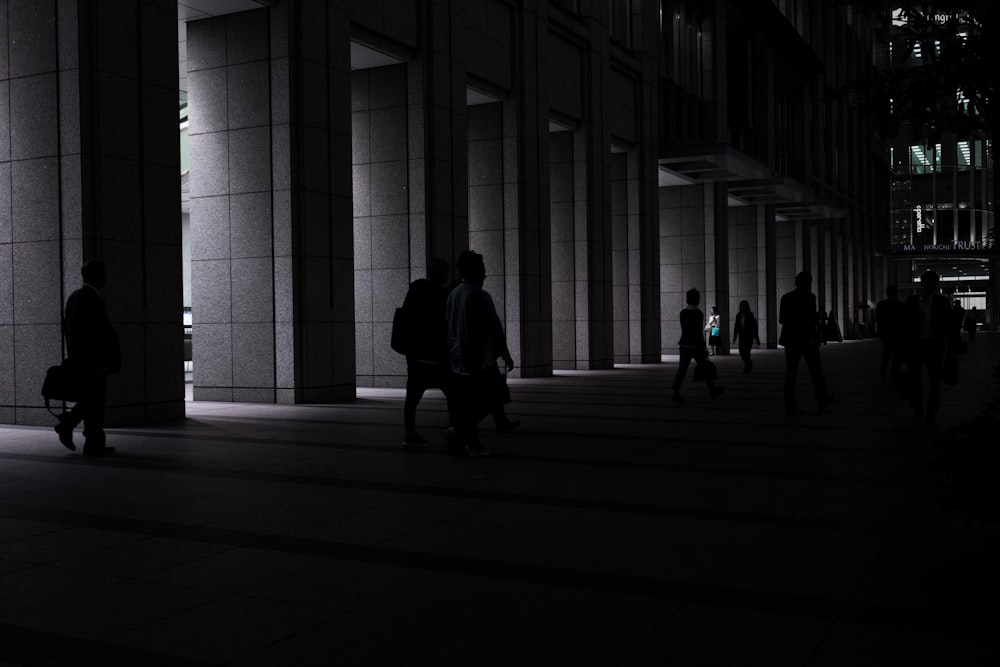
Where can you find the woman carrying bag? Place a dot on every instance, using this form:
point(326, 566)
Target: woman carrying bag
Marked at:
point(714, 333)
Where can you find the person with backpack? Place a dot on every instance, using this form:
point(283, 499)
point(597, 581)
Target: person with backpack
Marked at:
point(421, 333)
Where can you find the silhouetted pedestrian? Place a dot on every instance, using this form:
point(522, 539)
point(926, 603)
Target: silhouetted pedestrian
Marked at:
point(928, 317)
point(476, 340)
point(832, 330)
point(692, 346)
point(427, 364)
point(971, 322)
point(797, 315)
point(93, 353)
point(889, 315)
point(745, 334)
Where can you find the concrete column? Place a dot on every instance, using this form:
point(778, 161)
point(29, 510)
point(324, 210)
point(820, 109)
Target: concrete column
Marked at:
point(528, 256)
point(592, 153)
point(89, 167)
point(438, 123)
point(272, 274)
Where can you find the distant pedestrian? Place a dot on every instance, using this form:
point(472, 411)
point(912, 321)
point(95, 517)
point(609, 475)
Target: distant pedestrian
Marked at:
point(971, 322)
point(476, 340)
point(832, 331)
point(928, 316)
point(797, 315)
point(889, 315)
point(426, 348)
point(745, 334)
point(692, 346)
point(714, 330)
point(93, 352)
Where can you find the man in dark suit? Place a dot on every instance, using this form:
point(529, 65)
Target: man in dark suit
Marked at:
point(800, 336)
point(92, 354)
point(889, 315)
point(928, 317)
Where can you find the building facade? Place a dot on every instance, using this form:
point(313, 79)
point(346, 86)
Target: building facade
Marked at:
point(604, 156)
point(943, 197)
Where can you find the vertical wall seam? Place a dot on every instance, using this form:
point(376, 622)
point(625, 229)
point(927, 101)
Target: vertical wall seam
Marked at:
point(229, 216)
point(10, 185)
point(59, 196)
point(274, 276)
point(143, 249)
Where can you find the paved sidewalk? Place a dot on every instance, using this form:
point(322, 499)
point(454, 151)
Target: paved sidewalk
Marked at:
point(613, 528)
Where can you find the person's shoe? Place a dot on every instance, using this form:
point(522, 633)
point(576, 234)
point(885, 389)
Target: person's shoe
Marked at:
point(716, 392)
point(414, 440)
point(508, 425)
point(826, 402)
point(98, 451)
point(476, 450)
point(65, 432)
point(677, 398)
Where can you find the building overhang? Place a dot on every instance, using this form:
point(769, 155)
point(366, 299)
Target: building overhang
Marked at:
point(749, 182)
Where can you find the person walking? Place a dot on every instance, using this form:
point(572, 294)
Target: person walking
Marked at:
point(832, 330)
point(713, 330)
point(971, 322)
point(955, 327)
point(889, 315)
point(93, 353)
point(797, 315)
point(692, 346)
point(476, 340)
point(928, 318)
point(427, 345)
point(745, 334)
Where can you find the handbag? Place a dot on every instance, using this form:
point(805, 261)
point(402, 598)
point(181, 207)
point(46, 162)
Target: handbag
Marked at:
point(61, 383)
point(949, 371)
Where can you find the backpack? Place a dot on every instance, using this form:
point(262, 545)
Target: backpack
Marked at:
point(402, 331)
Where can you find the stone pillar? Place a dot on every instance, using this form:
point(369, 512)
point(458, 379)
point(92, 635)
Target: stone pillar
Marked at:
point(89, 167)
point(526, 198)
point(592, 153)
point(272, 274)
point(439, 179)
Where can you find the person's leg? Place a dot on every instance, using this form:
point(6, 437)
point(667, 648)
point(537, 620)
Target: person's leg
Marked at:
point(915, 365)
point(686, 355)
point(792, 355)
point(745, 356)
point(93, 417)
point(886, 357)
point(415, 387)
point(811, 355)
point(935, 360)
